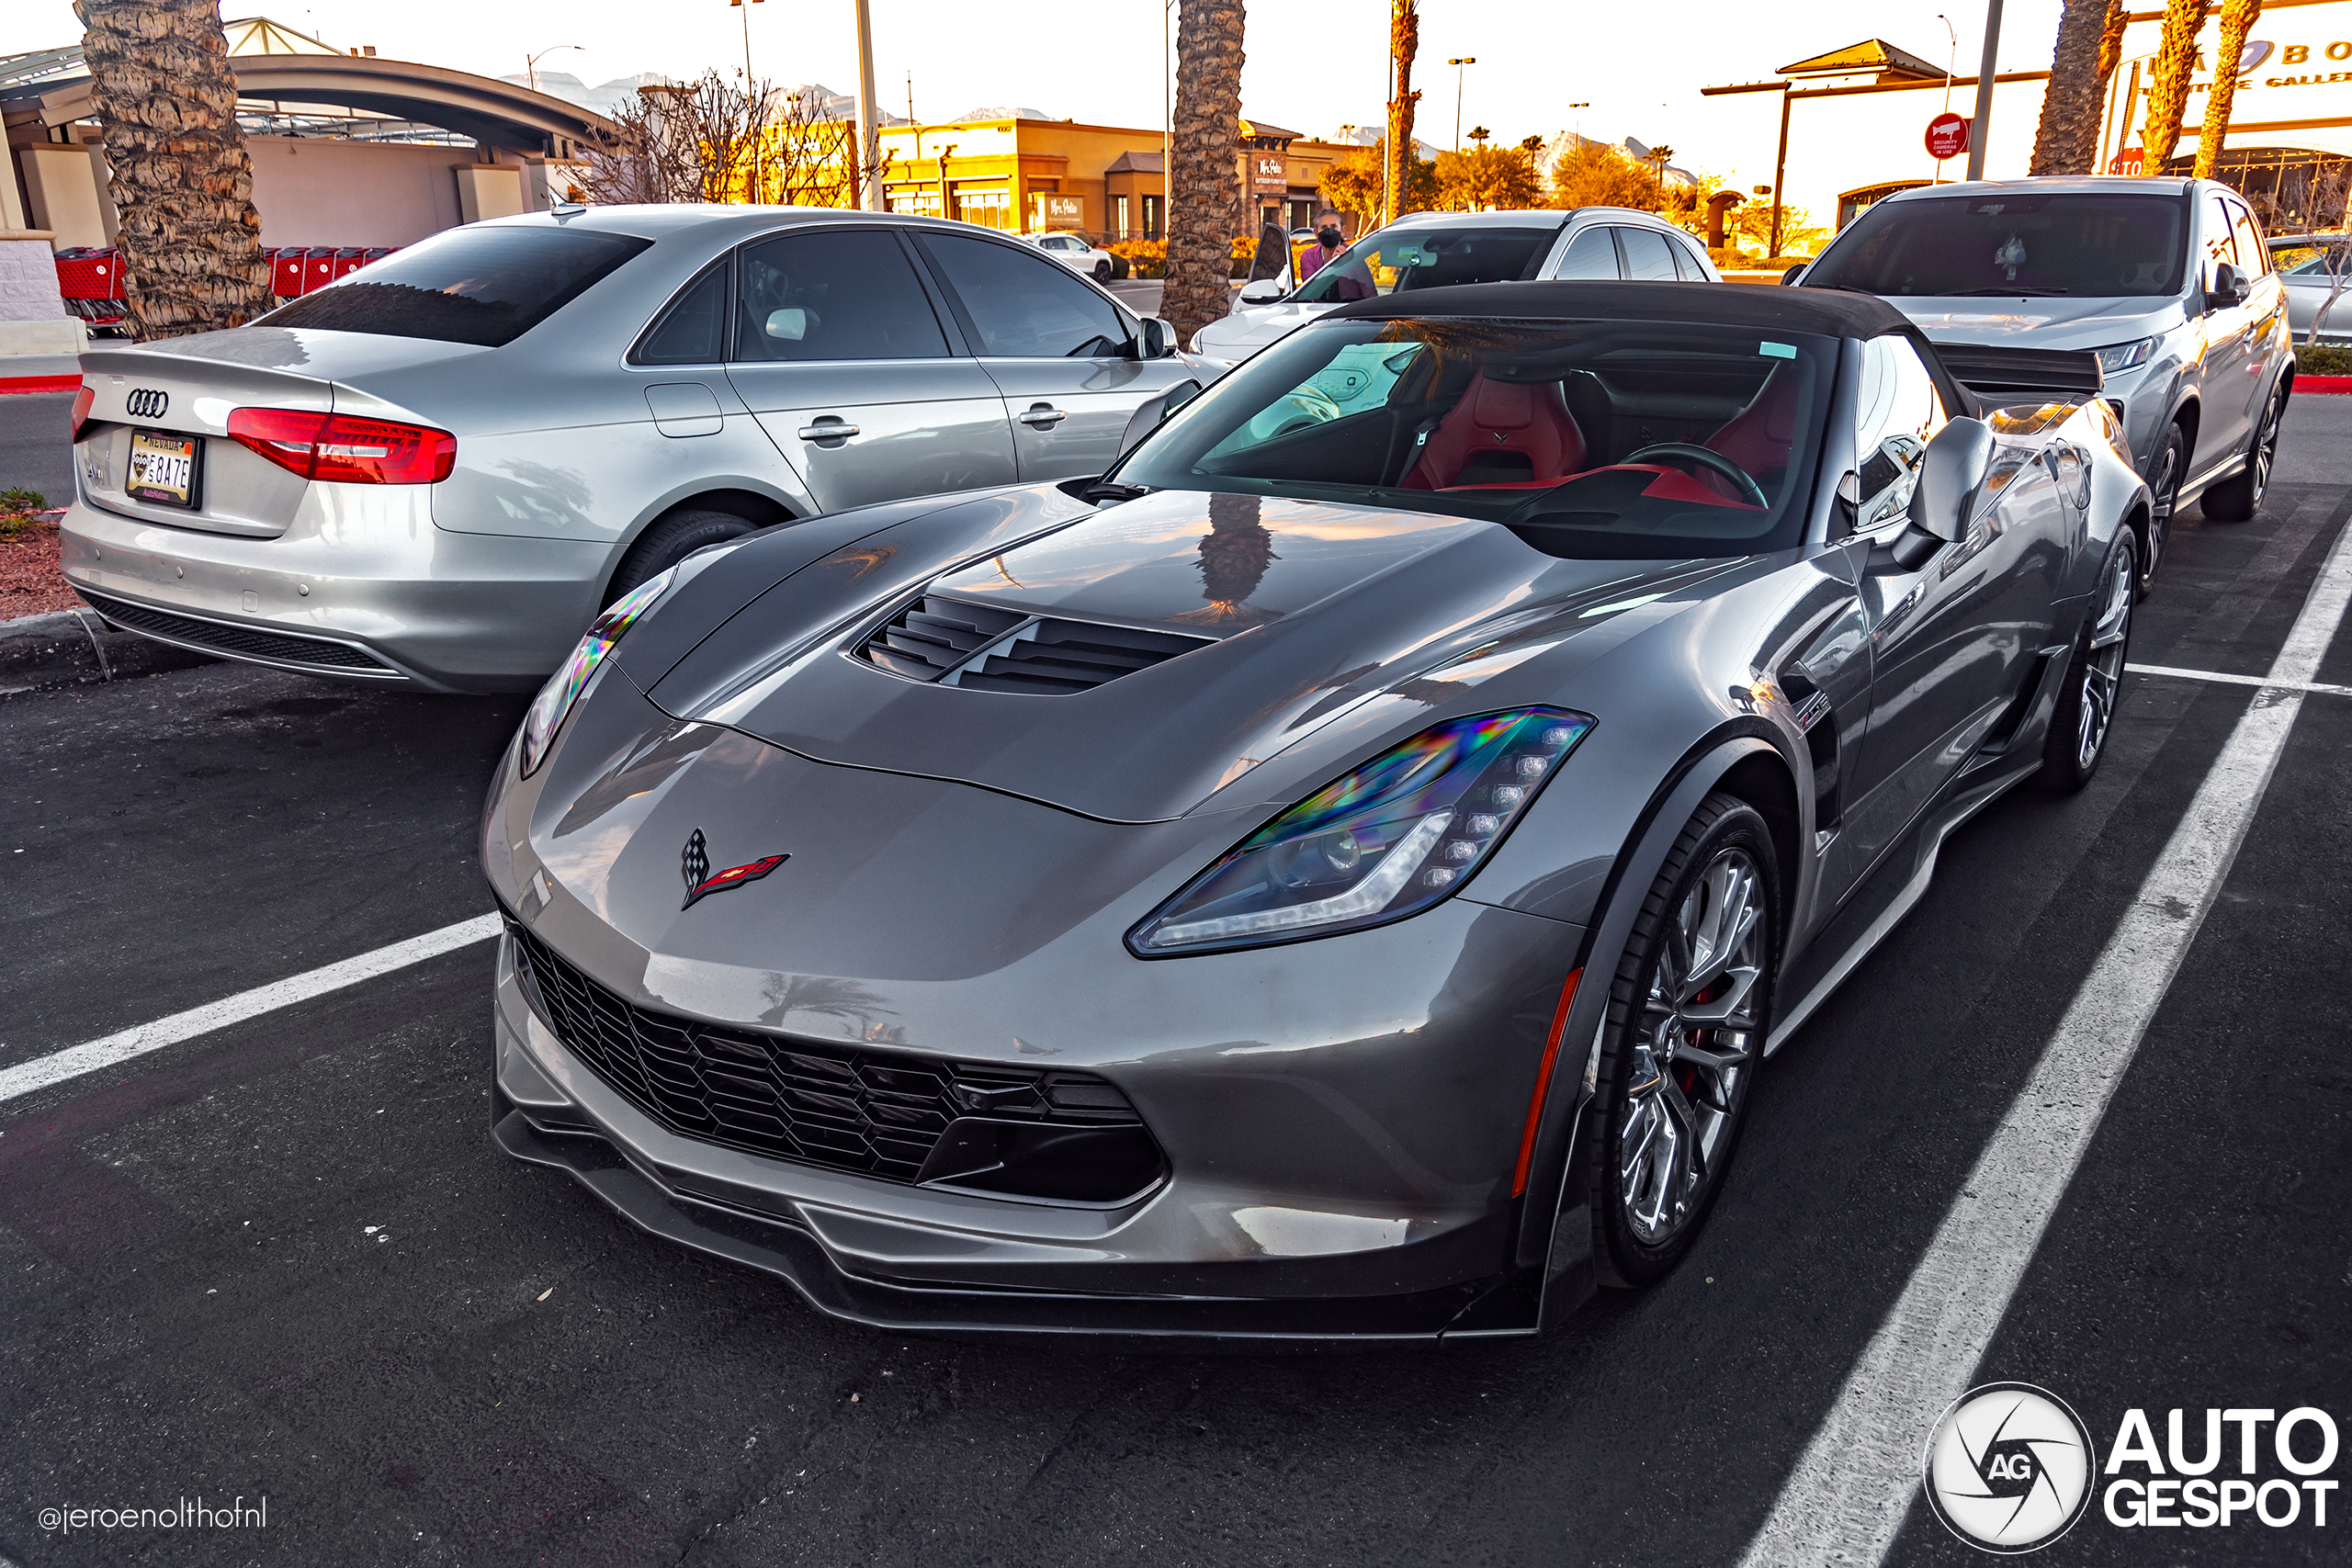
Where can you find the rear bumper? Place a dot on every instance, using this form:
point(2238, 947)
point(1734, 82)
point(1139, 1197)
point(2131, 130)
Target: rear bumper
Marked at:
point(373, 593)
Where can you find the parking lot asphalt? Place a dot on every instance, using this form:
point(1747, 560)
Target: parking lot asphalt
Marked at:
point(34, 453)
point(283, 1260)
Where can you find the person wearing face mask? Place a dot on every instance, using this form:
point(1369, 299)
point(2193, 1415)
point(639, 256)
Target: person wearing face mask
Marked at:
point(1329, 242)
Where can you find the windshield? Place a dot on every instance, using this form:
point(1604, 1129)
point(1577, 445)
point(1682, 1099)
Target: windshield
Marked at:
point(2094, 245)
point(1607, 440)
point(476, 284)
point(1426, 255)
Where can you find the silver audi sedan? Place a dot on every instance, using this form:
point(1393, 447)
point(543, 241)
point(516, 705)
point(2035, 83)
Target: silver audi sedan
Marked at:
point(437, 471)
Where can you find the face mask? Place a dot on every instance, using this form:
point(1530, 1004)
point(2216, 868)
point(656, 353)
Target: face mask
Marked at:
point(1328, 236)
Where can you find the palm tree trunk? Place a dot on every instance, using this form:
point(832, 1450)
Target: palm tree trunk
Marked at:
point(2067, 140)
point(2169, 95)
point(182, 179)
point(1205, 181)
point(2237, 20)
point(1404, 43)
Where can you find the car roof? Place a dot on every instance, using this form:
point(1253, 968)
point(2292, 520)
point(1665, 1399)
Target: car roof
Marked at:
point(1508, 217)
point(723, 222)
point(2100, 184)
point(1832, 312)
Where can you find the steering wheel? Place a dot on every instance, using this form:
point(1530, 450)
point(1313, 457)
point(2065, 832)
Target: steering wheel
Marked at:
point(1705, 457)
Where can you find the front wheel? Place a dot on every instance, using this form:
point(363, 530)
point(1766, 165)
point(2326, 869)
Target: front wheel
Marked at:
point(2163, 485)
point(1688, 1013)
point(2239, 497)
point(2079, 730)
point(1103, 272)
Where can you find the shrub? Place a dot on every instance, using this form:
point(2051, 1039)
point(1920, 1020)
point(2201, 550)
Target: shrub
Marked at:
point(2323, 359)
point(19, 508)
point(1145, 258)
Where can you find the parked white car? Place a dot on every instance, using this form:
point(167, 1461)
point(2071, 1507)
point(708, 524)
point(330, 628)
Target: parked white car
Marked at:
point(1076, 253)
point(1430, 250)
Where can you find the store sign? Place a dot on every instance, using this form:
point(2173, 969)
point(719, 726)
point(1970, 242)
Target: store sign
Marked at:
point(1057, 211)
point(1269, 173)
point(1947, 136)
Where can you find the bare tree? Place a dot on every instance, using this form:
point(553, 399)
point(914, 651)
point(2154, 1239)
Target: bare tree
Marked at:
point(180, 176)
point(2067, 140)
point(2336, 260)
point(1206, 179)
point(2237, 20)
point(1404, 44)
point(712, 140)
point(2168, 92)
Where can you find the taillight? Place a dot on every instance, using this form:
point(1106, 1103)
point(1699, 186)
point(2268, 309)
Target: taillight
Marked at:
point(346, 449)
point(82, 402)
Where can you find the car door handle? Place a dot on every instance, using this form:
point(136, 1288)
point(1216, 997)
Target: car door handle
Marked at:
point(1043, 416)
point(827, 430)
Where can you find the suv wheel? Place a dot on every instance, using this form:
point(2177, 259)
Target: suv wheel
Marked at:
point(2239, 497)
point(2163, 485)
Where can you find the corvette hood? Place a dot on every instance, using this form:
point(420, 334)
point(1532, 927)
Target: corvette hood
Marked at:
point(1285, 616)
point(2041, 322)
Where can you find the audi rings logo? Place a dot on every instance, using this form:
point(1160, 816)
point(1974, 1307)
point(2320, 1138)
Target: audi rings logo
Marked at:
point(146, 402)
point(2009, 1468)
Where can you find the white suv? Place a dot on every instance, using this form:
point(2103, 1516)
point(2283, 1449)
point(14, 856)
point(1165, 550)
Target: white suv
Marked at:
point(1075, 252)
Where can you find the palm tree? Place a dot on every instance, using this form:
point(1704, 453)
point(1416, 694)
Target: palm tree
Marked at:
point(1404, 43)
point(2237, 20)
point(2067, 140)
point(181, 179)
point(2169, 94)
point(1205, 182)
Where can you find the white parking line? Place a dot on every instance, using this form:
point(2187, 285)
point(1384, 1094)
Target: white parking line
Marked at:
point(1847, 1496)
point(2320, 687)
point(89, 1058)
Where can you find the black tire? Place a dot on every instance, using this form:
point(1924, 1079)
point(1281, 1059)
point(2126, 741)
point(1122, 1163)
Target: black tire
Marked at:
point(1103, 272)
point(670, 540)
point(2239, 497)
point(2084, 716)
point(2164, 474)
point(1653, 1084)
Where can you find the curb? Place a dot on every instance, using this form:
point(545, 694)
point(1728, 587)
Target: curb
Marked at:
point(2323, 383)
point(75, 647)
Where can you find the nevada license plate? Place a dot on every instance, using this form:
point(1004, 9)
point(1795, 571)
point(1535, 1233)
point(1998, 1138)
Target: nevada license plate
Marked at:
point(162, 467)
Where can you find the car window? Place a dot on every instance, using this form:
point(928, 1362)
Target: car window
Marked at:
point(1897, 412)
point(2015, 243)
point(1686, 254)
point(1648, 256)
point(1023, 309)
point(834, 294)
point(1623, 440)
point(482, 284)
point(693, 330)
point(2218, 246)
point(2254, 257)
point(1410, 255)
point(1592, 253)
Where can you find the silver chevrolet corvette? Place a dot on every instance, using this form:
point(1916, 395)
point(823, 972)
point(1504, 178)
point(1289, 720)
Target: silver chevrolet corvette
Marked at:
point(1337, 874)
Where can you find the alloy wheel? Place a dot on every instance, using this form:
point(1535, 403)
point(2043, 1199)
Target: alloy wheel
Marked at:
point(2103, 671)
point(2265, 445)
point(2163, 488)
point(1697, 1036)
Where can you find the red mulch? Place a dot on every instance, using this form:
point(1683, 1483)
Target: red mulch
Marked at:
point(30, 583)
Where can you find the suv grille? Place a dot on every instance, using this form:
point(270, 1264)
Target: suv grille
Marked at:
point(237, 642)
point(875, 1113)
point(954, 643)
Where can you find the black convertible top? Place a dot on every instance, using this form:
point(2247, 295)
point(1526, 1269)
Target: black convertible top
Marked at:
point(1740, 306)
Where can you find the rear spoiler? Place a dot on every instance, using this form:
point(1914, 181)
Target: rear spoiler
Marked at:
point(2001, 374)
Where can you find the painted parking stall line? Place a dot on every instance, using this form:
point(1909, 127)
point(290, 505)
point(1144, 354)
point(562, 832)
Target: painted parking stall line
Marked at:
point(25, 1077)
point(2167, 671)
point(1849, 1493)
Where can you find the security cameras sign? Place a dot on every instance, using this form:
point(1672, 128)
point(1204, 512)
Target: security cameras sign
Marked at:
point(1947, 136)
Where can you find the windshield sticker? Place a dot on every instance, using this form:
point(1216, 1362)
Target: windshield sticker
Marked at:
point(1410, 256)
point(2011, 255)
point(1776, 350)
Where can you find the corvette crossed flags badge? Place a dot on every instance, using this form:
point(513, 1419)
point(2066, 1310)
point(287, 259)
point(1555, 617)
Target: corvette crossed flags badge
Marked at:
point(694, 864)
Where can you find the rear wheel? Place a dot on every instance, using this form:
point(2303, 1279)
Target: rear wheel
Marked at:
point(1101, 272)
point(2086, 713)
point(1687, 1018)
point(2239, 497)
point(671, 540)
point(2164, 485)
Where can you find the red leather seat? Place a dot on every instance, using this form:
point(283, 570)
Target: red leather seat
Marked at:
point(1760, 436)
point(1502, 416)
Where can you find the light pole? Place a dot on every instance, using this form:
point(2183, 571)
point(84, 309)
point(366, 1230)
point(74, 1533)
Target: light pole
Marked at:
point(531, 63)
point(869, 118)
point(1579, 127)
point(1982, 126)
point(746, 5)
point(1167, 126)
point(1458, 64)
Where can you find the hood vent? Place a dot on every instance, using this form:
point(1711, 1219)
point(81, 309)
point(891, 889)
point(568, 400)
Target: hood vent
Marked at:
point(951, 642)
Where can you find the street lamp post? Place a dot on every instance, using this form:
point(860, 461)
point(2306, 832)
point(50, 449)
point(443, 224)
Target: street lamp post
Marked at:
point(745, 5)
point(869, 118)
point(531, 63)
point(1981, 129)
point(1458, 64)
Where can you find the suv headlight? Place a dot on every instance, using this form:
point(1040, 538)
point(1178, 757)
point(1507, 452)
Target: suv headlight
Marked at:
point(563, 689)
point(2124, 356)
point(1376, 844)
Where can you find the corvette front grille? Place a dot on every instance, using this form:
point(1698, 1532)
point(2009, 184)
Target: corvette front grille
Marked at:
point(952, 642)
point(877, 1113)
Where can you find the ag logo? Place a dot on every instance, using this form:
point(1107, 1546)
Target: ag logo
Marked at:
point(2009, 1468)
point(146, 402)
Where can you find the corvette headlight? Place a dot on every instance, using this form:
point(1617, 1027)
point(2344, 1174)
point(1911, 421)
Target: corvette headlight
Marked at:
point(1383, 841)
point(2124, 356)
point(563, 689)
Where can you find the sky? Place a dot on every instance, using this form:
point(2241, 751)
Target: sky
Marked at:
point(1312, 65)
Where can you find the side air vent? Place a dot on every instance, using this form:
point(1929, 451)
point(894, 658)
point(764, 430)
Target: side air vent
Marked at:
point(953, 643)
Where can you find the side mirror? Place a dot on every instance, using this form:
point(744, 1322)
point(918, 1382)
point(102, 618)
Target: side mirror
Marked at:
point(1265, 291)
point(1952, 470)
point(1157, 341)
point(1153, 413)
point(2229, 287)
point(1789, 277)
